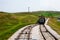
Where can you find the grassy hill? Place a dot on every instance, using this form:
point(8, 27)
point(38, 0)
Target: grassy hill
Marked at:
point(11, 22)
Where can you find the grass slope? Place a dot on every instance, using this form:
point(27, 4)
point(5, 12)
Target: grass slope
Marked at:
point(55, 25)
point(10, 23)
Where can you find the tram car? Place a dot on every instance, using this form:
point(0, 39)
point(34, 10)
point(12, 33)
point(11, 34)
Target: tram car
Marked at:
point(41, 20)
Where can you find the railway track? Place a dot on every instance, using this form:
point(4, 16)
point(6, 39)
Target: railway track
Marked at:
point(46, 34)
point(25, 33)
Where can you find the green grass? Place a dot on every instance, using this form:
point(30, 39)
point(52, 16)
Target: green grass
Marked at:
point(10, 23)
point(55, 25)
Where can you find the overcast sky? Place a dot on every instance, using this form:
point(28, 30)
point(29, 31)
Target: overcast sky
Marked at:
point(35, 5)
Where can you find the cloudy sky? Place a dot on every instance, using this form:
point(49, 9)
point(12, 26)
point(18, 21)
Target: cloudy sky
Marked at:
point(35, 5)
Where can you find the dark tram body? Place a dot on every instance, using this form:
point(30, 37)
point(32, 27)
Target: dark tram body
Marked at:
point(41, 20)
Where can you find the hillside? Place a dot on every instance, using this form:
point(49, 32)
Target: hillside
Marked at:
point(11, 22)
